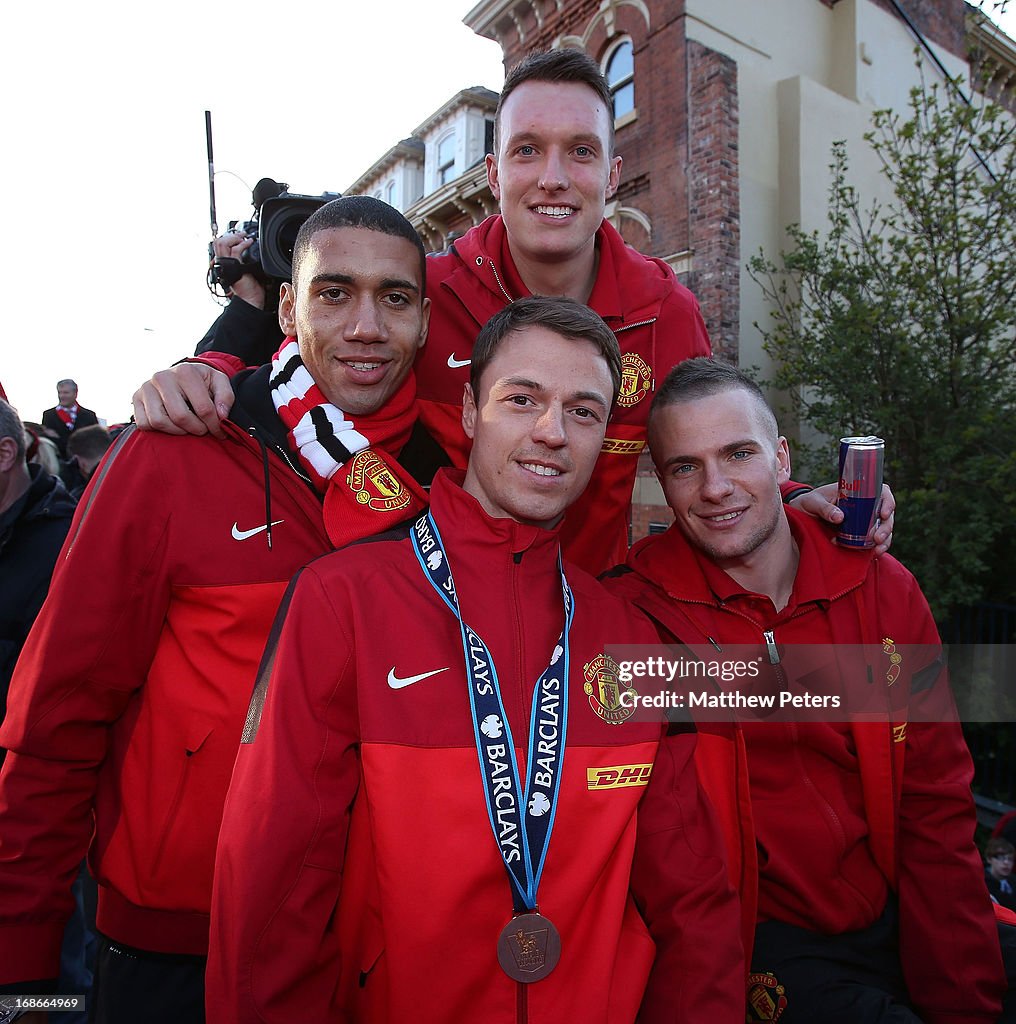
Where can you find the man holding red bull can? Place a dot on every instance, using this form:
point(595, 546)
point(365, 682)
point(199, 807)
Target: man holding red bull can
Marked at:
point(852, 841)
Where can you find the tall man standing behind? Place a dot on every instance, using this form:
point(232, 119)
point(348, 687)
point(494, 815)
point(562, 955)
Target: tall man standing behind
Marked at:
point(552, 172)
point(871, 907)
point(35, 514)
point(126, 711)
point(67, 416)
point(404, 796)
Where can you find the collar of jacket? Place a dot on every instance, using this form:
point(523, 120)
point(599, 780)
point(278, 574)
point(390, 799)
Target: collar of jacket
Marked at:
point(629, 287)
point(471, 534)
point(825, 572)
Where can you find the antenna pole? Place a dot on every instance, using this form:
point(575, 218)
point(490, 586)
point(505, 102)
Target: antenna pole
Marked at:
point(211, 174)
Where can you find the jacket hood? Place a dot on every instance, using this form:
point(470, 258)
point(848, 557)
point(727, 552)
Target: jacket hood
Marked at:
point(629, 287)
point(670, 565)
point(47, 496)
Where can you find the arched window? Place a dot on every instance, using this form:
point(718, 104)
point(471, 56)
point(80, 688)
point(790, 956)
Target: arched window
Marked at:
point(390, 193)
point(620, 75)
point(446, 159)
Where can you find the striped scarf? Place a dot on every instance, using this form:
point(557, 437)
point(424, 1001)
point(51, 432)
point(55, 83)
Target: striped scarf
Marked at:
point(353, 464)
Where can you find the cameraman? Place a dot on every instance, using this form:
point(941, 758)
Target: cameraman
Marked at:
point(244, 328)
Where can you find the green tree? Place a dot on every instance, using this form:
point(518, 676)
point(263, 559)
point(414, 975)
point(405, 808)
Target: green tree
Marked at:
point(899, 320)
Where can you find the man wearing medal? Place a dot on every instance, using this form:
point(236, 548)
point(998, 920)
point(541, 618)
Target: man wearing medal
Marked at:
point(366, 869)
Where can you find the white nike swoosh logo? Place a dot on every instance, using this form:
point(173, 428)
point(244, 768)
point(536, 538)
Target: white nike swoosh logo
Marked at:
point(396, 683)
point(456, 363)
point(239, 534)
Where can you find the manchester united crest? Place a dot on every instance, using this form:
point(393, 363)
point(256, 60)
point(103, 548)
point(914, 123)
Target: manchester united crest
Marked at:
point(895, 659)
point(636, 378)
point(766, 998)
point(374, 483)
point(603, 687)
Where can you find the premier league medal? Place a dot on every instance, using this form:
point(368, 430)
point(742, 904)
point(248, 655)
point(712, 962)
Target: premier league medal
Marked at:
point(528, 948)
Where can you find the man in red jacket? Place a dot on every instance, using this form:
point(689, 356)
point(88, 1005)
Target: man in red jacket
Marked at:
point(128, 702)
point(553, 170)
point(369, 868)
point(870, 903)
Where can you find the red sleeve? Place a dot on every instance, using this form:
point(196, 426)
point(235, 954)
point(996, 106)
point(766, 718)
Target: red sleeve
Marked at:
point(87, 654)
point(273, 956)
point(681, 887)
point(229, 365)
point(948, 938)
point(790, 489)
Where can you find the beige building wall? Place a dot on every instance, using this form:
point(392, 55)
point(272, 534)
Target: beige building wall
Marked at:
point(808, 75)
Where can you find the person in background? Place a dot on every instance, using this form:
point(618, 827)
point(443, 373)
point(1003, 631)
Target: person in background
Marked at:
point(35, 515)
point(67, 416)
point(85, 449)
point(999, 855)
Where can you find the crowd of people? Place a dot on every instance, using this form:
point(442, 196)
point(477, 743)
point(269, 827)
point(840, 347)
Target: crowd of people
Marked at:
point(360, 548)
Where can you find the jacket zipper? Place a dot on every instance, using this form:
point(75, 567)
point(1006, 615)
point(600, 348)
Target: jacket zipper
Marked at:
point(296, 469)
point(771, 649)
point(508, 298)
point(641, 323)
point(521, 1003)
point(769, 635)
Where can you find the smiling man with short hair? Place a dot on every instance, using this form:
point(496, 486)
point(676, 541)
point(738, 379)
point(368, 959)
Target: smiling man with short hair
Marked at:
point(853, 828)
point(126, 708)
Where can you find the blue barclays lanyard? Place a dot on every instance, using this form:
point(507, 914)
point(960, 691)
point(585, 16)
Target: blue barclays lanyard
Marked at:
point(522, 839)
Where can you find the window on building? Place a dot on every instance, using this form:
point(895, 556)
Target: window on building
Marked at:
point(390, 193)
point(446, 159)
point(620, 75)
point(655, 528)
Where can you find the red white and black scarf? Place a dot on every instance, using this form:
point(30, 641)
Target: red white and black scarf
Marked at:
point(352, 463)
point(68, 416)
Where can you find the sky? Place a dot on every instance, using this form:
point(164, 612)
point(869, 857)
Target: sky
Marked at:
point(104, 211)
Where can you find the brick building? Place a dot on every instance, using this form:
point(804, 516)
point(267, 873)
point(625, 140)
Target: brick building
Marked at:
point(725, 114)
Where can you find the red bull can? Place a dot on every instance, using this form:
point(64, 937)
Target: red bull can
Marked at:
point(860, 489)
